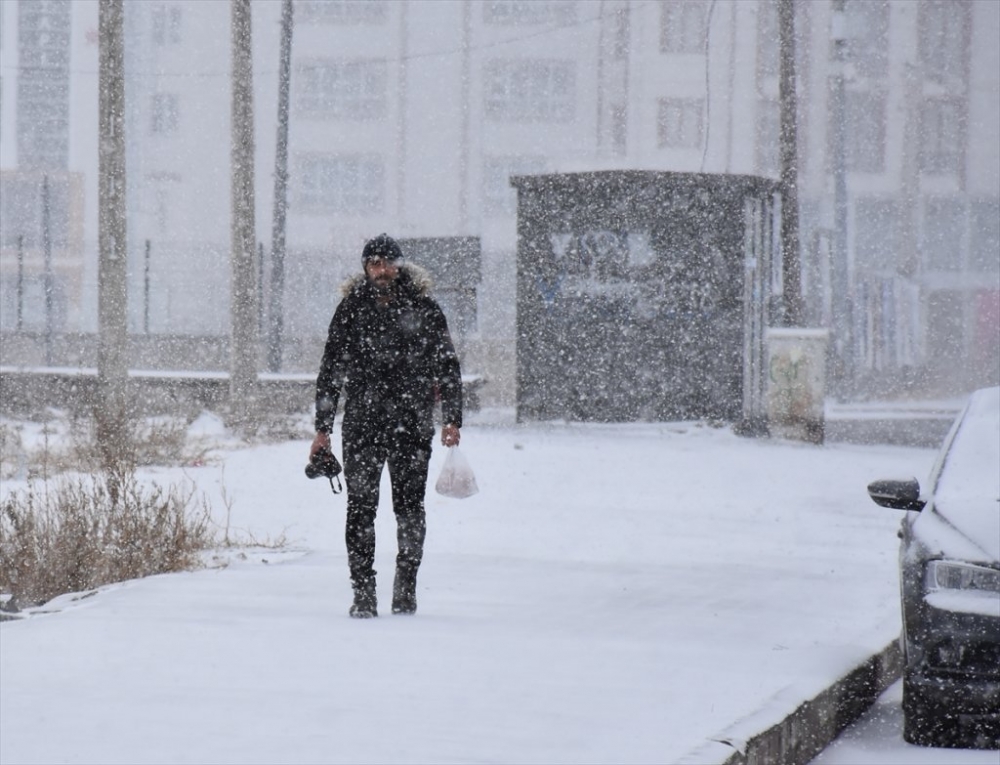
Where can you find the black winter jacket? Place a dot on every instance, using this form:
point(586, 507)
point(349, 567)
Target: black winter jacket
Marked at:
point(393, 360)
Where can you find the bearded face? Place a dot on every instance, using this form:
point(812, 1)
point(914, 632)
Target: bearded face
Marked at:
point(381, 273)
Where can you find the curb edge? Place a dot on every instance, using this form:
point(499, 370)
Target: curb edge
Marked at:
point(800, 735)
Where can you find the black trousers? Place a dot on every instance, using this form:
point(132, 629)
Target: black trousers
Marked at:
point(407, 455)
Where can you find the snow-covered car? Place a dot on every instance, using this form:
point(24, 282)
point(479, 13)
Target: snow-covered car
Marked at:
point(949, 566)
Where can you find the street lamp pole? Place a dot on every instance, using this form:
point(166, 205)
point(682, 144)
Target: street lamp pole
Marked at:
point(790, 254)
point(275, 339)
point(842, 309)
point(243, 302)
point(112, 416)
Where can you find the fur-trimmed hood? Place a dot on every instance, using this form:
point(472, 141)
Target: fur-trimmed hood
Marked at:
point(413, 276)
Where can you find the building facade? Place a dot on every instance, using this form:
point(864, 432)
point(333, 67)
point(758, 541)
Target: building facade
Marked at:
point(410, 116)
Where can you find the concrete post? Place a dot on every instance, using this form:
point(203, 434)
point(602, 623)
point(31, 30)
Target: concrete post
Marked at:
point(790, 252)
point(276, 303)
point(243, 298)
point(112, 411)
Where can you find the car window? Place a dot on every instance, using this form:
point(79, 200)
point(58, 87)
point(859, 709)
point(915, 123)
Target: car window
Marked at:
point(972, 464)
point(942, 456)
point(967, 492)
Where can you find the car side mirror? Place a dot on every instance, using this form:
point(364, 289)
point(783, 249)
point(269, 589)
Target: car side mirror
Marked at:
point(899, 495)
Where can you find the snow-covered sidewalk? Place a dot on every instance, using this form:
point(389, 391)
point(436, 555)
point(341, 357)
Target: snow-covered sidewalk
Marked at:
point(615, 593)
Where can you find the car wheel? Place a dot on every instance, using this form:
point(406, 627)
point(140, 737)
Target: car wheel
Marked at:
point(926, 723)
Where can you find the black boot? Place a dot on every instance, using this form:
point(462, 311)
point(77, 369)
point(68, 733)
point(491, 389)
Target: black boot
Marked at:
point(404, 591)
point(411, 528)
point(365, 600)
point(360, 537)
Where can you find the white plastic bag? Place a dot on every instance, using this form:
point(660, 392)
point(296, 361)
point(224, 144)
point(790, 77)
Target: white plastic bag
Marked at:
point(457, 479)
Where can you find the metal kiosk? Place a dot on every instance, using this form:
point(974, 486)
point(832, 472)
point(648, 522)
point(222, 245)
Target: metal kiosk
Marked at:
point(643, 295)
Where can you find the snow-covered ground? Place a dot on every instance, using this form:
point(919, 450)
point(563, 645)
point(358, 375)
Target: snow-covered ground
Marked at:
point(877, 739)
point(614, 593)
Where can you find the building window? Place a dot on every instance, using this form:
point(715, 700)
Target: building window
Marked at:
point(344, 12)
point(540, 90)
point(876, 234)
point(622, 34)
point(944, 222)
point(347, 90)
point(42, 83)
point(768, 53)
point(865, 139)
point(165, 113)
point(867, 36)
point(528, 12)
point(162, 189)
point(499, 197)
point(941, 136)
point(943, 34)
point(768, 139)
point(166, 24)
point(350, 183)
point(161, 206)
point(679, 123)
point(984, 236)
point(619, 128)
point(683, 25)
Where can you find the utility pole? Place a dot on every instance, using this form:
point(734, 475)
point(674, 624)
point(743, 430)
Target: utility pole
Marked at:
point(243, 244)
point(464, 136)
point(20, 282)
point(146, 287)
point(790, 253)
point(841, 308)
point(276, 305)
point(112, 411)
point(47, 260)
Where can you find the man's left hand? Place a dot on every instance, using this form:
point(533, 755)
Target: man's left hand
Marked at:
point(450, 435)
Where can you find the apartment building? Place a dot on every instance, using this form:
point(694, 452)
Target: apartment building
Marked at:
point(409, 116)
point(43, 199)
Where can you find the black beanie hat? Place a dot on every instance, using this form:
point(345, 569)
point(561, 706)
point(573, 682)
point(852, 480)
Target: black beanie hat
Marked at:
point(382, 247)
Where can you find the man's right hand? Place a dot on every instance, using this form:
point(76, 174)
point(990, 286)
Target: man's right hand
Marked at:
point(450, 435)
point(321, 441)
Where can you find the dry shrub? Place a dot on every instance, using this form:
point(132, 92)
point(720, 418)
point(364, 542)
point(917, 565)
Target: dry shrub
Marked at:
point(150, 441)
point(276, 428)
point(69, 535)
point(13, 457)
point(70, 444)
point(19, 461)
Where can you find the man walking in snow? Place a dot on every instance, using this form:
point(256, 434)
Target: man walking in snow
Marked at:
point(389, 345)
